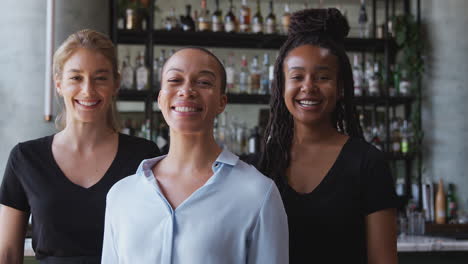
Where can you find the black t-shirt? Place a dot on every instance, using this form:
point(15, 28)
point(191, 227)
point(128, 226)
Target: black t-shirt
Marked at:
point(67, 219)
point(327, 225)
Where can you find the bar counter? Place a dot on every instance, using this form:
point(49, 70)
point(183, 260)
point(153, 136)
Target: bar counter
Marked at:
point(405, 244)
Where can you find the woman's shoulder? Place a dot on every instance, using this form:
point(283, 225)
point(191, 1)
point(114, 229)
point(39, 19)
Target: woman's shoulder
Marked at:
point(138, 144)
point(33, 146)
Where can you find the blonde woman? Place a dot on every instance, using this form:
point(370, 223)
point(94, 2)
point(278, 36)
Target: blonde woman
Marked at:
point(63, 179)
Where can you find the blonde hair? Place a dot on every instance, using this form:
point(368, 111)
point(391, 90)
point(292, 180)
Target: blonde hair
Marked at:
point(93, 40)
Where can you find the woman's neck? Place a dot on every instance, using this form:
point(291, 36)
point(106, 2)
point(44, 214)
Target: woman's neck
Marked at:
point(192, 150)
point(314, 133)
point(85, 136)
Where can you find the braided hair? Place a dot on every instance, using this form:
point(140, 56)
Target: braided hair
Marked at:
point(325, 28)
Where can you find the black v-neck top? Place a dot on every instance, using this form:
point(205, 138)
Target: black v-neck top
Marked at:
point(67, 219)
point(327, 225)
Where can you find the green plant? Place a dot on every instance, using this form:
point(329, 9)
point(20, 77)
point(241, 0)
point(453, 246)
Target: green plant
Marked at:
point(410, 44)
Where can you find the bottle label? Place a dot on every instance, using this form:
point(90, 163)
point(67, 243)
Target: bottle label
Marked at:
point(404, 146)
point(255, 82)
point(230, 27)
point(127, 78)
point(142, 79)
point(404, 87)
point(257, 28)
point(204, 26)
point(396, 146)
point(244, 27)
point(270, 27)
point(440, 213)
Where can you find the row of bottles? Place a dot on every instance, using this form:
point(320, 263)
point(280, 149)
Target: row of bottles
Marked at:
point(233, 134)
point(401, 138)
point(142, 128)
point(370, 80)
point(251, 78)
point(243, 19)
point(255, 78)
point(445, 204)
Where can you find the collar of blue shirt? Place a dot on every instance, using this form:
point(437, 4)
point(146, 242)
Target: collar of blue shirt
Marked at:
point(225, 157)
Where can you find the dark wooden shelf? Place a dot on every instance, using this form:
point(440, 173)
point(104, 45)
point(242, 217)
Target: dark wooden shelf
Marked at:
point(237, 40)
point(134, 95)
point(395, 157)
point(382, 100)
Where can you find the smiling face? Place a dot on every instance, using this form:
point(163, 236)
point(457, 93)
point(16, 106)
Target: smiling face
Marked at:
point(87, 85)
point(311, 84)
point(190, 96)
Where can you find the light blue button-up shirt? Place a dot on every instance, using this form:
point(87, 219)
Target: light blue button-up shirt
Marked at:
point(236, 217)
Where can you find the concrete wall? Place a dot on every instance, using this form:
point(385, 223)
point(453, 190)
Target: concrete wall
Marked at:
point(445, 92)
point(22, 60)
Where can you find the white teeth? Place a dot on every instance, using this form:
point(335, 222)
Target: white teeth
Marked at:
point(185, 109)
point(306, 102)
point(88, 103)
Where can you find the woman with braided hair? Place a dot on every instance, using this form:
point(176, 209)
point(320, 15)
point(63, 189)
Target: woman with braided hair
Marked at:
point(337, 189)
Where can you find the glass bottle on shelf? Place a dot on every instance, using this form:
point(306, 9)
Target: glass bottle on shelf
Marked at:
point(285, 19)
point(257, 21)
point(375, 81)
point(376, 138)
point(171, 23)
point(217, 19)
point(357, 76)
point(130, 19)
point(405, 83)
point(265, 78)
point(187, 21)
point(270, 21)
point(230, 74)
point(230, 23)
point(161, 60)
point(127, 74)
point(255, 75)
point(363, 21)
point(142, 73)
point(156, 78)
point(405, 138)
point(395, 136)
point(244, 76)
point(254, 141)
point(244, 18)
point(451, 204)
point(204, 21)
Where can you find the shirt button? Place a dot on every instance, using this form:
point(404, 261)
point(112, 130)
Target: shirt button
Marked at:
point(216, 164)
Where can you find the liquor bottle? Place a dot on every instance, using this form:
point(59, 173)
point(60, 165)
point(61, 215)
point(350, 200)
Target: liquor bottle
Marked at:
point(244, 18)
point(217, 19)
point(204, 21)
point(156, 77)
point(187, 21)
point(440, 204)
point(362, 20)
point(265, 78)
point(142, 73)
point(230, 75)
point(357, 76)
point(161, 61)
point(395, 136)
point(270, 23)
point(374, 81)
point(376, 140)
point(451, 204)
point(243, 76)
point(255, 75)
point(257, 21)
point(171, 23)
point(127, 74)
point(254, 141)
point(285, 19)
point(230, 22)
point(405, 138)
point(405, 83)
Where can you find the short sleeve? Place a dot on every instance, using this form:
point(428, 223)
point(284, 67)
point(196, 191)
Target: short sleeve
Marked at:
point(12, 193)
point(379, 192)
